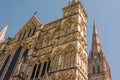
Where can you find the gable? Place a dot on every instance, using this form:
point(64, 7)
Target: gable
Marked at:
point(29, 28)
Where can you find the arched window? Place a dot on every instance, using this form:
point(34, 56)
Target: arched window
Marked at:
point(48, 67)
point(19, 36)
point(29, 33)
point(44, 68)
point(34, 31)
point(98, 55)
point(25, 53)
point(33, 72)
point(12, 64)
point(23, 35)
point(3, 67)
point(93, 70)
point(98, 69)
point(38, 70)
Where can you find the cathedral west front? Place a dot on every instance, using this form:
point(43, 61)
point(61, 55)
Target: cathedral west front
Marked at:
point(54, 51)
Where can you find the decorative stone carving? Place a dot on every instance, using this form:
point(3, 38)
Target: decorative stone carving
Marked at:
point(19, 76)
point(45, 40)
point(44, 51)
point(45, 77)
point(59, 46)
point(70, 55)
point(30, 60)
point(55, 36)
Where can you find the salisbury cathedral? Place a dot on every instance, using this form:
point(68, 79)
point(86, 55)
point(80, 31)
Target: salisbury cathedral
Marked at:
point(54, 51)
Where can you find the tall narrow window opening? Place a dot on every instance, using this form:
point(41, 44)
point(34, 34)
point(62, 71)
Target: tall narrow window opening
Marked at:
point(23, 35)
point(25, 53)
point(98, 55)
point(48, 67)
point(93, 70)
point(4, 65)
point(44, 69)
point(19, 36)
point(33, 72)
point(34, 31)
point(29, 33)
point(12, 64)
point(98, 69)
point(38, 70)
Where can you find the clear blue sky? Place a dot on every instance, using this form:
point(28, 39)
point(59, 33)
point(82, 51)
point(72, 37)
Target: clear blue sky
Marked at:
point(16, 13)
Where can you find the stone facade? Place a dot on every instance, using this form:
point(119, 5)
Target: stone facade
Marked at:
point(53, 51)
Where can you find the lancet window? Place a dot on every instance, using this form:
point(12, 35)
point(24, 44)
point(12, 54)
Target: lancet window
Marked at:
point(40, 69)
point(12, 64)
point(4, 65)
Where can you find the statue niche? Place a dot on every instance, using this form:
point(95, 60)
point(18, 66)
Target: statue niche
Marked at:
point(69, 55)
point(55, 36)
point(57, 60)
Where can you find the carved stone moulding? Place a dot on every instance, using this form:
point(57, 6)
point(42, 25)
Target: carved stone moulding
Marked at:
point(44, 51)
point(63, 75)
point(52, 25)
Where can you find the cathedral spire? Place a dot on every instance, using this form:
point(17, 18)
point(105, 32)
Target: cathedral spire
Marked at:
point(96, 50)
point(2, 33)
point(97, 63)
point(95, 37)
point(96, 44)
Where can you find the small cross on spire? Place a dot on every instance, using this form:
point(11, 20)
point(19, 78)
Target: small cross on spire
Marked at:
point(35, 13)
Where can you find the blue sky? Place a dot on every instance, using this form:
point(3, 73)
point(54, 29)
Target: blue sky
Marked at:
point(16, 13)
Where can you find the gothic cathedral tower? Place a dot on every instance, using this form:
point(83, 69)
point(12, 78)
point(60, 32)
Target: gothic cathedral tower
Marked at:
point(54, 51)
point(72, 60)
point(98, 67)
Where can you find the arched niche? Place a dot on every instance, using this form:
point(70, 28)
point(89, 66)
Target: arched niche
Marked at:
point(25, 53)
point(57, 59)
point(58, 51)
point(55, 36)
point(68, 26)
point(70, 47)
point(45, 39)
point(69, 56)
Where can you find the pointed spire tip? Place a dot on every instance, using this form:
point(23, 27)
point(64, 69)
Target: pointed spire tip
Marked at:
point(95, 37)
point(74, 1)
point(35, 12)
